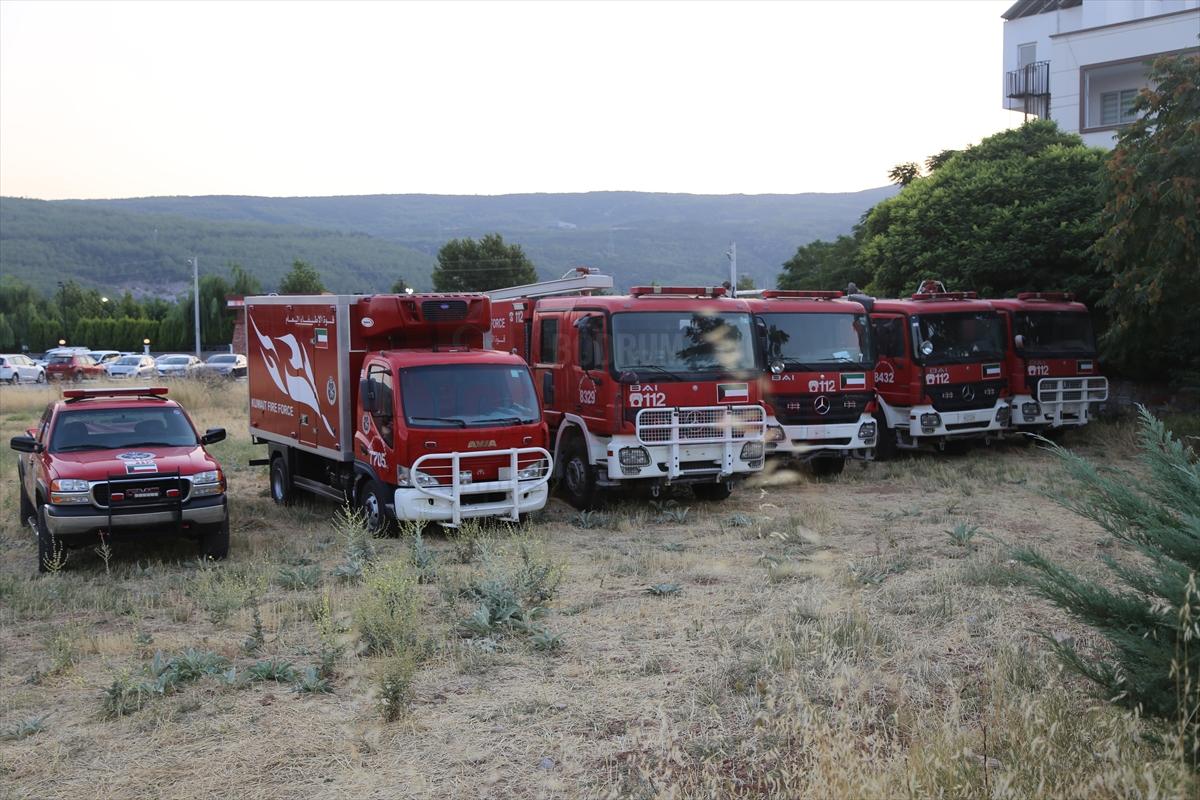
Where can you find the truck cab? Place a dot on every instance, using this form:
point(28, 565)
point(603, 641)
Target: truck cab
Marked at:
point(653, 388)
point(1051, 360)
point(820, 385)
point(115, 462)
point(390, 402)
point(940, 375)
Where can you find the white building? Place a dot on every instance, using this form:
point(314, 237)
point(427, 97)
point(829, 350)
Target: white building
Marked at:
point(1082, 62)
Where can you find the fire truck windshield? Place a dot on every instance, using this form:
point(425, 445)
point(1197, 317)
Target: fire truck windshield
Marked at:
point(678, 342)
point(819, 341)
point(467, 395)
point(118, 428)
point(966, 336)
point(1055, 333)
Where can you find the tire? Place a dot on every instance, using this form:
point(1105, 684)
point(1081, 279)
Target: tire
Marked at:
point(828, 466)
point(77, 377)
point(282, 490)
point(15, 378)
point(214, 540)
point(885, 445)
point(713, 492)
point(578, 474)
point(372, 502)
point(45, 541)
point(41, 376)
point(27, 509)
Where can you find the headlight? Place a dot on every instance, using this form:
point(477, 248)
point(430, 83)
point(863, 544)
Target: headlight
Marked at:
point(533, 471)
point(1031, 411)
point(206, 484)
point(404, 477)
point(752, 451)
point(634, 457)
point(866, 431)
point(69, 485)
point(1004, 414)
point(930, 422)
point(775, 434)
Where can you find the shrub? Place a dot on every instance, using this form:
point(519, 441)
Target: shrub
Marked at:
point(1153, 621)
point(273, 670)
point(299, 578)
point(358, 544)
point(386, 614)
point(394, 679)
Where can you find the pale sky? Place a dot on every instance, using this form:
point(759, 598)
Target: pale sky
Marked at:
point(103, 99)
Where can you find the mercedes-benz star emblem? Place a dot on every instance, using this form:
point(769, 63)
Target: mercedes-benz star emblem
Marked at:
point(968, 393)
point(821, 405)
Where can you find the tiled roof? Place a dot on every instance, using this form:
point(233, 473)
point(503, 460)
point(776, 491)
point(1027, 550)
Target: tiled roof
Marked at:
point(1027, 8)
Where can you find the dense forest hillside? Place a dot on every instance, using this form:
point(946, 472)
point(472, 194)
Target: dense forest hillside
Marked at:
point(636, 236)
point(46, 242)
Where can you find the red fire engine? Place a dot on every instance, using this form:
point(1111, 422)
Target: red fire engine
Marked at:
point(390, 402)
point(940, 372)
point(821, 387)
point(1053, 373)
point(657, 387)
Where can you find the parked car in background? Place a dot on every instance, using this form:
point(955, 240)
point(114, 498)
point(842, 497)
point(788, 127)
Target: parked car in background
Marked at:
point(132, 366)
point(112, 461)
point(225, 365)
point(19, 368)
point(176, 365)
point(105, 357)
point(73, 367)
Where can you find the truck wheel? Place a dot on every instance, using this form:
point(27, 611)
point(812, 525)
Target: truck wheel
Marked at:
point(27, 509)
point(372, 501)
point(713, 492)
point(578, 474)
point(885, 446)
point(45, 542)
point(214, 541)
point(828, 466)
point(282, 491)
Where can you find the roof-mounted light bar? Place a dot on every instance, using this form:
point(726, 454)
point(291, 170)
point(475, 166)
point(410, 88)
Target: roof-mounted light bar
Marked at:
point(1047, 297)
point(946, 296)
point(148, 392)
point(678, 291)
point(769, 294)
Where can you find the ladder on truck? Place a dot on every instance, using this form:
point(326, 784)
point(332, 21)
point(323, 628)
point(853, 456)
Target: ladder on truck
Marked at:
point(578, 280)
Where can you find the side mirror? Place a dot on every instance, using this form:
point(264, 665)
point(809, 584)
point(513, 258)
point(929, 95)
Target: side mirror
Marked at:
point(926, 348)
point(213, 435)
point(1019, 341)
point(366, 395)
point(25, 444)
point(627, 377)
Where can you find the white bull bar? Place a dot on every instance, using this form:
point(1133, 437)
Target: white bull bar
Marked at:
point(451, 469)
point(687, 426)
point(1065, 401)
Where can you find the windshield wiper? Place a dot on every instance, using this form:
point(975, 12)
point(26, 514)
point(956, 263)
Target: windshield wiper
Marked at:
point(462, 423)
point(159, 444)
point(663, 370)
point(74, 447)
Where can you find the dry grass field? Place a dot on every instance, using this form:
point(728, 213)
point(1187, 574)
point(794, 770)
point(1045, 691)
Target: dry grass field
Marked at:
point(858, 637)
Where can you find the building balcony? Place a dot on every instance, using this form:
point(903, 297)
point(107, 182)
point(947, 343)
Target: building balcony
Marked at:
point(1030, 87)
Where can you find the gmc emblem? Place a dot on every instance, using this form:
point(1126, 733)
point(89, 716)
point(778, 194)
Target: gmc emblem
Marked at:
point(481, 443)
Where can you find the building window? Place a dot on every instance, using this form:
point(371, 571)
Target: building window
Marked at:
point(1116, 108)
point(1026, 54)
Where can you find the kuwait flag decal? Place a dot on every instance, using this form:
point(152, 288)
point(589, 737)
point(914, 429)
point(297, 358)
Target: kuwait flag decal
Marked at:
point(854, 380)
point(733, 393)
point(991, 371)
point(321, 337)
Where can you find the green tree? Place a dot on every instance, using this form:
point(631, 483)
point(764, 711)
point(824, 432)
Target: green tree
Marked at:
point(904, 174)
point(1150, 614)
point(1150, 248)
point(745, 283)
point(938, 160)
point(1018, 211)
point(242, 282)
point(824, 265)
point(466, 265)
point(302, 279)
point(400, 286)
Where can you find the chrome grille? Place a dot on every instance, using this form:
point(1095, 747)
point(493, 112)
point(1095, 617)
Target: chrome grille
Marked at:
point(700, 425)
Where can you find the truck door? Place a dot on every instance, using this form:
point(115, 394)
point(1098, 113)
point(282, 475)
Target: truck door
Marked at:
point(546, 357)
point(894, 363)
point(589, 389)
point(376, 439)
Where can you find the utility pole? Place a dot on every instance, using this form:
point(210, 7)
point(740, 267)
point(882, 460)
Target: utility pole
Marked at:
point(732, 255)
point(196, 298)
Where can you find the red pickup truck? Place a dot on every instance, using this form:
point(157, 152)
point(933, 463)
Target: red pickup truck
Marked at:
point(107, 462)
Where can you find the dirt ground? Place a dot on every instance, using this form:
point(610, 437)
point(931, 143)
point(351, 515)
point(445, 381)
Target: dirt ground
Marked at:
point(859, 636)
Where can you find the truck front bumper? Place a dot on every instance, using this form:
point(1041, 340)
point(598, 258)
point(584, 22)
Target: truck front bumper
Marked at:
point(419, 505)
point(77, 520)
point(627, 458)
point(1060, 402)
point(850, 439)
point(925, 422)
point(521, 487)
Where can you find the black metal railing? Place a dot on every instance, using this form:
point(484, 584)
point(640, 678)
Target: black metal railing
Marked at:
point(1031, 80)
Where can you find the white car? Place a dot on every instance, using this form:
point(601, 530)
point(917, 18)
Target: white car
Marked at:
point(105, 357)
point(226, 365)
point(18, 368)
point(177, 365)
point(132, 366)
